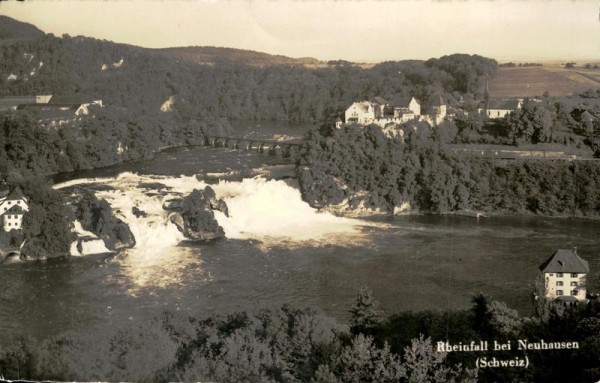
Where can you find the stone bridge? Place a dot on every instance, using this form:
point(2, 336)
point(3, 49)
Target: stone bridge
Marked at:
point(283, 149)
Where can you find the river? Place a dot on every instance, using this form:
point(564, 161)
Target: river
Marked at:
point(278, 250)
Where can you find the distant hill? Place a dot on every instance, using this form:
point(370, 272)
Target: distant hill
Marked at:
point(11, 29)
point(211, 55)
point(236, 84)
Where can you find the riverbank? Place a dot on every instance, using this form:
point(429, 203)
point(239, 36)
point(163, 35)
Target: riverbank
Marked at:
point(366, 170)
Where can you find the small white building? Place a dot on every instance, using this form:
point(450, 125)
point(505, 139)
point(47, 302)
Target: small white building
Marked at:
point(12, 208)
point(564, 276)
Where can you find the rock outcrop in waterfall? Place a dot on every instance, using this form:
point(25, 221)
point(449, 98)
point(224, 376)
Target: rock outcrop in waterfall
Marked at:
point(194, 216)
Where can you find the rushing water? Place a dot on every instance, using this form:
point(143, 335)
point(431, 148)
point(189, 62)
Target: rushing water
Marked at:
point(278, 250)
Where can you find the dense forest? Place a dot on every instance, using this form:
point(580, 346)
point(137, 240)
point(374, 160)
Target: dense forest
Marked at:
point(287, 344)
point(141, 80)
point(112, 136)
point(363, 167)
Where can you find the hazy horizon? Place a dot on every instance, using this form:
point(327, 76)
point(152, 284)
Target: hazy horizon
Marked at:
point(365, 31)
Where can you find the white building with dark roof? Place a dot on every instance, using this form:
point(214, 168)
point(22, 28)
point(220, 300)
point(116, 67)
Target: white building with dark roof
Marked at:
point(499, 108)
point(564, 275)
point(12, 207)
point(13, 102)
point(379, 112)
point(408, 103)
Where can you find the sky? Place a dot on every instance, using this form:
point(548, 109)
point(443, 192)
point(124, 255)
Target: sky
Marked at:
point(359, 31)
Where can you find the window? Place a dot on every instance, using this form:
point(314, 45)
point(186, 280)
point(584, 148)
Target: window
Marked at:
point(559, 283)
point(559, 274)
point(9, 202)
point(551, 274)
point(573, 284)
point(574, 292)
point(574, 275)
point(559, 292)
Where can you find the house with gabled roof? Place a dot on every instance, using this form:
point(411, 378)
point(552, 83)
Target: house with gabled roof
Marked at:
point(379, 112)
point(409, 103)
point(499, 108)
point(13, 102)
point(51, 110)
point(564, 276)
point(12, 208)
point(584, 115)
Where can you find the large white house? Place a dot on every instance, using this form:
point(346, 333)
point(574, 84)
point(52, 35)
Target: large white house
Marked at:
point(379, 112)
point(12, 207)
point(564, 276)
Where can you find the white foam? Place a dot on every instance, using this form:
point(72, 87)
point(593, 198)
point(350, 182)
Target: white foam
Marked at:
point(270, 211)
point(90, 243)
point(258, 209)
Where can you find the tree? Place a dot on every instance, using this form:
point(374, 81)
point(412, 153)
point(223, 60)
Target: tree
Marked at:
point(362, 361)
point(424, 364)
point(366, 317)
point(47, 224)
point(482, 316)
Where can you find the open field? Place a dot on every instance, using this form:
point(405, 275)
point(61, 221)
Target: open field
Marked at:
point(534, 81)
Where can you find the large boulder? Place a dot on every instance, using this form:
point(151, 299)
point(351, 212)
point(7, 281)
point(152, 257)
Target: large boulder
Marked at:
point(96, 216)
point(196, 219)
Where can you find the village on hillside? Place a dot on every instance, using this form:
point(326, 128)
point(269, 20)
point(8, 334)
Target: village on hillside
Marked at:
point(381, 113)
point(50, 110)
point(391, 117)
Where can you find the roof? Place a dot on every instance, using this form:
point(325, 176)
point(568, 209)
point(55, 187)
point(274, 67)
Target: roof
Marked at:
point(567, 298)
point(7, 103)
point(15, 209)
point(380, 101)
point(438, 101)
point(52, 112)
point(583, 115)
point(565, 261)
point(70, 100)
point(19, 98)
point(363, 105)
point(405, 101)
point(15, 194)
point(503, 104)
point(46, 107)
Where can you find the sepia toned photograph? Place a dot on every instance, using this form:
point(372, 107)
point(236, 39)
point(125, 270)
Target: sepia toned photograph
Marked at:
point(300, 191)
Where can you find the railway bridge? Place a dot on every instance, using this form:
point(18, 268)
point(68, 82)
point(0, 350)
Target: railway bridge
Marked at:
point(283, 149)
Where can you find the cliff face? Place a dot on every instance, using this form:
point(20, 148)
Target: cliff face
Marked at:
point(194, 216)
point(96, 216)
